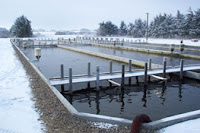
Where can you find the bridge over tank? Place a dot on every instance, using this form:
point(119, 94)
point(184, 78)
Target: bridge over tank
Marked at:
point(121, 75)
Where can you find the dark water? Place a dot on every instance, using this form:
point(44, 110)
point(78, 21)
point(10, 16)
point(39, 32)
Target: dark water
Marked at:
point(157, 100)
point(49, 63)
point(157, 59)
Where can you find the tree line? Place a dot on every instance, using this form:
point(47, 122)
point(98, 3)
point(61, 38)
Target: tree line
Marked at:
point(162, 26)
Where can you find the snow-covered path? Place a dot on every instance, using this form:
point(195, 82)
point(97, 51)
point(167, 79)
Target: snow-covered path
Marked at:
point(17, 112)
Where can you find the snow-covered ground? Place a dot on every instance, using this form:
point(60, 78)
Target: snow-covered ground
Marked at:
point(174, 41)
point(17, 112)
point(52, 35)
point(191, 126)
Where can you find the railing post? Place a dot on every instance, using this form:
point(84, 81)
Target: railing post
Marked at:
point(62, 76)
point(137, 80)
point(123, 72)
point(89, 70)
point(110, 67)
point(70, 80)
point(149, 62)
point(97, 77)
point(164, 68)
point(130, 65)
point(145, 74)
point(61, 71)
point(181, 69)
point(149, 66)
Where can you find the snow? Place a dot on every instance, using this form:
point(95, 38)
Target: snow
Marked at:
point(191, 126)
point(52, 35)
point(174, 41)
point(104, 125)
point(17, 112)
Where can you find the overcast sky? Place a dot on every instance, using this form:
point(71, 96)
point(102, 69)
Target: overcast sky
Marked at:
point(77, 14)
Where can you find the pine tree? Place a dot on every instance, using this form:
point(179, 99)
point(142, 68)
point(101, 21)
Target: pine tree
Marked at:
point(180, 25)
point(107, 28)
point(189, 26)
point(123, 29)
point(21, 27)
point(137, 29)
point(130, 29)
point(196, 21)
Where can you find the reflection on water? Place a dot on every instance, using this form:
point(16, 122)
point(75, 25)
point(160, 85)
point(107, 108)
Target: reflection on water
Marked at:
point(158, 100)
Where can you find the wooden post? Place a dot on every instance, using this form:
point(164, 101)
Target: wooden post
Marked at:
point(88, 85)
point(137, 80)
point(164, 68)
point(129, 81)
point(62, 71)
point(70, 80)
point(89, 71)
point(62, 88)
point(97, 78)
point(181, 69)
point(123, 72)
point(145, 74)
point(110, 67)
point(149, 62)
point(130, 65)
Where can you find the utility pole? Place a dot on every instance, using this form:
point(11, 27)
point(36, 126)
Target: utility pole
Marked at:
point(147, 35)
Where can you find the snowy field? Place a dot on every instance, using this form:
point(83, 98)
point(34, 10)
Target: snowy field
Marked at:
point(17, 112)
